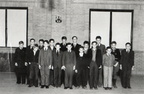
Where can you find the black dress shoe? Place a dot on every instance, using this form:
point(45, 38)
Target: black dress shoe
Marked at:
point(71, 88)
point(65, 87)
point(95, 88)
point(42, 86)
point(91, 88)
point(110, 88)
point(105, 88)
point(29, 86)
point(47, 87)
point(129, 87)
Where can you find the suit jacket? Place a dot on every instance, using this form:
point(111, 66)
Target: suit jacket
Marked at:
point(20, 56)
point(98, 57)
point(69, 58)
point(117, 55)
point(88, 56)
point(76, 49)
point(34, 58)
point(28, 51)
point(57, 59)
point(82, 63)
point(127, 59)
point(102, 48)
point(63, 47)
point(45, 57)
point(108, 61)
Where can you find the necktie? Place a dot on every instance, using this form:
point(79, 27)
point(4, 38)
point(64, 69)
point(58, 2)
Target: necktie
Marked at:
point(57, 53)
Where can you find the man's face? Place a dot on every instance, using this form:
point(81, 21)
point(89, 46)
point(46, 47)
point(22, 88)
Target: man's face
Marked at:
point(64, 41)
point(74, 40)
point(41, 43)
point(21, 45)
point(45, 44)
point(108, 51)
point(128, 47)
point(69, 47)
point(35, 48)
point(98, 41)
point(86, 46)
point(81, 50)
point(113, 46)
point(51, 43)
point(94, 45)
point(57, 47)
point(32, 42)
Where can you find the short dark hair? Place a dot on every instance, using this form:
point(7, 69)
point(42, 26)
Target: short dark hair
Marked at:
point(68, 44)
point(46, 41)
point(32, 39)
point(113, 42)
point(81, 47)
point(94, 42)
point(128, 43)
point(98, 37)
point(21, 42)
point(51, 40)
point(36, 45)
point(108, 48)
point(64, 37)
point(57, 44)
point(41, 40)
point(75, 37)
point(86, 42)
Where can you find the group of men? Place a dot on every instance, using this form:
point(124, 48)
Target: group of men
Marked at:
point(51, 63)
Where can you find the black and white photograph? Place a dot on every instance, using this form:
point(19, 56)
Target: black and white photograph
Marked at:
point(71, 46)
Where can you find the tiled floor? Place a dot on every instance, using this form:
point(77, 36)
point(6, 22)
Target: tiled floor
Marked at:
point(8, 86)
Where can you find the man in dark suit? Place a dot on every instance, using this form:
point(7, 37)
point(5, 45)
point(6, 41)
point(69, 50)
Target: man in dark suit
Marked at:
point(69, 62)
point(20, 68)
point(63, 44)
point(116, 53)
point(96, 63)
point(29, 50)
point(41, 44)
point(57, 64)
point(52, 47)
point(63, 48)
point(75, 48)
point(127, 65)
point(103, 51)
point(45, 63)
point(33, 77)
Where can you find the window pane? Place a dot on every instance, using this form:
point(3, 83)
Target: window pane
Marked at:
point(2, 27)
point(100, 26)
point(17, 22)
point(121, 28)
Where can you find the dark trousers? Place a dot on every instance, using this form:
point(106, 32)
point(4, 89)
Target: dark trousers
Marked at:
point(57, 77)
point(33, 77)
point(21, 77)
point(93, 75)
point(126, 74)
point(51, 77)
point(69, 76)
point(82, 77)
point(100, 77)
point(28, 73)
point(62, 77)
point(75, 79)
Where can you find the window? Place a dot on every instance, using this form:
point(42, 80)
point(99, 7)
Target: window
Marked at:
point(13, 26)
point(111, 25)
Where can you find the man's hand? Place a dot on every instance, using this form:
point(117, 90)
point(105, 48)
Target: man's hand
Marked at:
point(50, 67)
point(39, 66)
point(63, 67)
point(116, 64)
point(132, 67)
point(73, 67)
point(26, 64)
point(16, 64)
point(120, 67)
point(100, 67)
point(76, 71)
